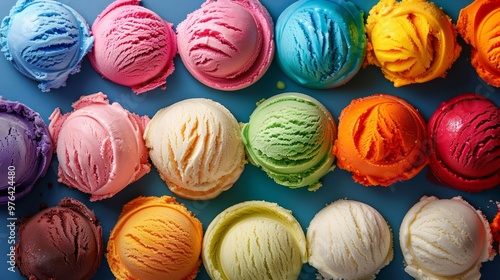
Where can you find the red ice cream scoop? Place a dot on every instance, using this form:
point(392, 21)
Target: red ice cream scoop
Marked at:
point(465, 136)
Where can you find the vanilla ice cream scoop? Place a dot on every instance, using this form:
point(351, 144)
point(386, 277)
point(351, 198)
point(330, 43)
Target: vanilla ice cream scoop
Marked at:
point(349, 240)
point(254, 240)
point(445, 239)
point(196, 146)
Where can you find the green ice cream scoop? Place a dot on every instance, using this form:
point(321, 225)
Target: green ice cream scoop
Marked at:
point(290, 136)
point(254, 240)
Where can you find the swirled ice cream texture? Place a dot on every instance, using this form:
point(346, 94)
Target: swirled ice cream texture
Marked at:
point(25, 149)
point(290, 136)
point(195, 145)
point(254, 240)
point(155, 238)
point(320, 43)
point(465, 135)
point(412, 41)
point(99, 146)
point(382, 139)
point(464, 242)
point(45, 40)
point(133, 47)
point(60, 242)
point(227, 45)
point(478, 24)
point(349, 239)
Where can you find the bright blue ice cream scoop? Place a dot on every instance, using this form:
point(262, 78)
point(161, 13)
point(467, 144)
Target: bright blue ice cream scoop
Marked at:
point(320, 43)
point(45, 40)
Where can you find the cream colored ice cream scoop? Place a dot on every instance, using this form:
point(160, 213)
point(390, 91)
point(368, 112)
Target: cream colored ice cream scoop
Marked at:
point(196, 146)
point(254, 240)
point(445, 239)
point(349, 240)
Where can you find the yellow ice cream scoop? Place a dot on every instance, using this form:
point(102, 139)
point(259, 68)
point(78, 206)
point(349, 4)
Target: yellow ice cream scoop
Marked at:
point(254, 240)
point(412, 41)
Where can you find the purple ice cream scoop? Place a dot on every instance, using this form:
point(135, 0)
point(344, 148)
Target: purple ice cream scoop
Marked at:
point(25, 149)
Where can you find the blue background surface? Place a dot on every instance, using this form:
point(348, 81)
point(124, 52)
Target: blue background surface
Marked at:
point(392, 202)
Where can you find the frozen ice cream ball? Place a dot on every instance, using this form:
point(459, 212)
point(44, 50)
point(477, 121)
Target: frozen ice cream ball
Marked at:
point(227, 45)
point(465, 135)
point(445, 239)
point(60, 242)
point(155, 238)
point(25, 149)
point(478, 25)
point(382, 139)
point(99, 146)
point(254, 240)
point(290, 136)
point(412, 41)
point(195, 144)
point(495, 227)
point(349, 240)
point(320, 43)
point(133, 46)
point(45, 40)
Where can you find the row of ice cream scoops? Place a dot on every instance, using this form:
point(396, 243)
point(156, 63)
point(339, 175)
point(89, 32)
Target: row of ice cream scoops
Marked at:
point(200, 149)
point(230, 44)
point(159, 238)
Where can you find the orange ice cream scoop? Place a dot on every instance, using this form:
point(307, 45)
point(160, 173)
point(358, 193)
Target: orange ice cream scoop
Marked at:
point(381, 140)
point(155, 238)
point(479, 26)
point(495, 227)
point(412, 41)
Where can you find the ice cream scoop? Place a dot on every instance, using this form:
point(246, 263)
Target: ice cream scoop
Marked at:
point(99, 146)
point(495, 227)
point(61, 242)
point(45, 40)
point(412, 41)
point(349, 240)
point(195, 145)
point(320, 43)
point(254, 240)
point(465, 136)
point(478, 25)
point(133, 46)
point(155, 238)
point(227, 44)
point(382, 139)
point(25, 149)
point(445, 239)
point(290, 136)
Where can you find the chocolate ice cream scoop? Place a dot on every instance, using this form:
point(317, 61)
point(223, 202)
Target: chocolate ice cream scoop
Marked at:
point(60, 242)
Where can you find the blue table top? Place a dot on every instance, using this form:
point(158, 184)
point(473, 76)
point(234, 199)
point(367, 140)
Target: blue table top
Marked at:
point(392, 202)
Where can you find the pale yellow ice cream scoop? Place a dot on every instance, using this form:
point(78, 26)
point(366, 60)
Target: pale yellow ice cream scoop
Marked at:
point(254, 240)
point(412, 41)
point(195, 144)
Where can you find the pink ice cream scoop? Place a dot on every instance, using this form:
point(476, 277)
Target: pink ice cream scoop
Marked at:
point(133, 46)
point(99, 146)
point(465, 136)
point(227, 44)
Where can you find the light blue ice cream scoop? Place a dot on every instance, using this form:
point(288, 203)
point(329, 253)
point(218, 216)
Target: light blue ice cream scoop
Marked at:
point(45, 40)
point(320, 43)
